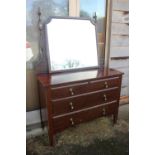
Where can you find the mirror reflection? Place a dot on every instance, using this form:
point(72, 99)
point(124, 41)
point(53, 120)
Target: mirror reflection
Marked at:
point(71, 44)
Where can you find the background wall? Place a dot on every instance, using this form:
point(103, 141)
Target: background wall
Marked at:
point(119, 55)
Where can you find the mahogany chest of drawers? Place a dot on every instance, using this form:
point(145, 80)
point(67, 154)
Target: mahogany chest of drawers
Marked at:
point(67, 99)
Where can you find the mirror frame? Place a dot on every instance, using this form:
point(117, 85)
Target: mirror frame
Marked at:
point(47, 44)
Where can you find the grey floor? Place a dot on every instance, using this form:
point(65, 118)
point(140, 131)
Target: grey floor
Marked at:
point(124, 112)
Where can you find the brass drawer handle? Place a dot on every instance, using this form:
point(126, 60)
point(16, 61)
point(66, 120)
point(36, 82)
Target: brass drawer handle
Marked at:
point(104, 111)
point(71, 91)
point(105, 97)
point(72, 122)
point(71, 106)
point(106, 84)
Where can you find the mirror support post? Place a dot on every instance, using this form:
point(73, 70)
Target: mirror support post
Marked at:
point(108, 33)
point(74, 8)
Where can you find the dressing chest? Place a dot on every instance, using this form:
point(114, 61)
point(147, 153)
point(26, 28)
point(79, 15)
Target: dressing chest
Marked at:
point(70, 98)
point(77, 87)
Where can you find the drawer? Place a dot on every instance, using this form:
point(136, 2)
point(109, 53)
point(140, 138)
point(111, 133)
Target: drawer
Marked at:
point(104, 83)
point(63, 106)
point(69, 90)
point(65, 121)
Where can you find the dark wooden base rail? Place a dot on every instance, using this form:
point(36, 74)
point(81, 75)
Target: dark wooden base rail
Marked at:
point(68, 99)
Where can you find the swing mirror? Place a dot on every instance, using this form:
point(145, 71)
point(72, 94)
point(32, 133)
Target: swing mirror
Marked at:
point(71, 44)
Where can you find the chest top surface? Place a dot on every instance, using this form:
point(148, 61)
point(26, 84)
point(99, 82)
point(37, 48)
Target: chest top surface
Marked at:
point(70, 77)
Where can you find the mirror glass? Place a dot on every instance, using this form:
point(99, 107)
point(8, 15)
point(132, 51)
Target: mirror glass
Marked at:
point(71, 44)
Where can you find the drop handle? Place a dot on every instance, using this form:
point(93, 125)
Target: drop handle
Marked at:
point(72, 122)
point(106, 84)
point(71, 91)
point(105, 97)
point(104, 111)
point(71, 106)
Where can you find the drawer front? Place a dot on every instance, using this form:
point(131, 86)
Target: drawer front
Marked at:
point(85, 101)
point(104, 84)
point(62, 122)
point(68, 91)
point(85, 87)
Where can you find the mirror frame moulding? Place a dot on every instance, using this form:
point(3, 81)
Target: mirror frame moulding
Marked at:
point(44, 28)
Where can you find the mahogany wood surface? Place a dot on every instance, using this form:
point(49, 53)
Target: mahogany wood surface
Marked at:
point(84, 101)
point(71, 77)
point(67, 99)
point(69, 90)
point(62, 122)
point(84, 87)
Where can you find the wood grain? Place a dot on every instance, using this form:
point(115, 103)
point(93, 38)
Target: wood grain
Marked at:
point(120, 17)
point(100, 37)
point(60, 123)
point(31, 91)
point(82, 102)
point(100, 49)
point(119, 51)
point(119, 40)
point(119, 63)
point(90, 97)
point(121, 5)
point(121, 29)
